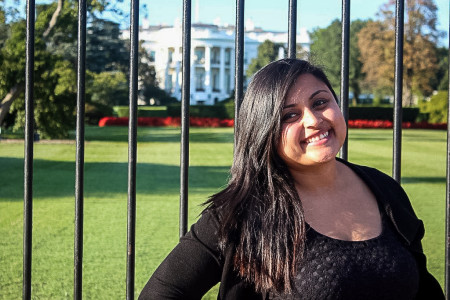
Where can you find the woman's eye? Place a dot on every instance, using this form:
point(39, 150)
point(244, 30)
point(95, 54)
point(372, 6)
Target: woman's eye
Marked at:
point(320, 102)
point(290, 117)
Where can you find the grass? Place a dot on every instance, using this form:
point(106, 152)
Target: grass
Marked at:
point(104, 269)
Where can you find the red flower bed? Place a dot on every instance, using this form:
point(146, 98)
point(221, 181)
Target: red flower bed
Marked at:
point(167, 121)
point(216, 122)
point(389, 124)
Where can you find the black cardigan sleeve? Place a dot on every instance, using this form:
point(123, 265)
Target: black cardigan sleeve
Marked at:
point(191, 268)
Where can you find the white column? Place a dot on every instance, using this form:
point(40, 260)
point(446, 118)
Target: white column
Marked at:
point(193, 92)
point(178, 58)
point(222, 71)
point(166, 71)
point(232, 70)
point(208, 87)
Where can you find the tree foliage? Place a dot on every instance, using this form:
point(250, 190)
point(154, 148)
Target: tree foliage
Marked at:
point(267, 52)
point(326, 51)
point(55, 65)
point(436, 107)
point(377, 46)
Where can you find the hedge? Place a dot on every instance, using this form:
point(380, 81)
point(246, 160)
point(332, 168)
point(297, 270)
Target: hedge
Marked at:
point(143, 111)
point(221, 111)
point(226, 111)
point(409, 114)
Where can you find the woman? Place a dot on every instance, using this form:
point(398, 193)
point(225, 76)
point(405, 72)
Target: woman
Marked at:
point(294, 222)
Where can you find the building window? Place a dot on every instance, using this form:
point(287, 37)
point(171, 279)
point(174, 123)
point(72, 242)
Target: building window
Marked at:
point(199, 79)
point(215, 55)
point(199, 55)
point(152, 56)
point(227, 56)
point(215, 80)
point(227, 82)
point(169, 86)
point(171, 52)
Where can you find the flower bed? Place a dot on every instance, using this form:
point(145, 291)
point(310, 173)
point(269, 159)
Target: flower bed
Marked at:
point(216, 122)
point(167, 121)
point(389, 124)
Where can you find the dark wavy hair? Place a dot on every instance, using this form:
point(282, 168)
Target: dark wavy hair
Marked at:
point(260, 212)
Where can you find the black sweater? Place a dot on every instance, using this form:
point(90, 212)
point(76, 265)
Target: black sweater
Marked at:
point(196, 264)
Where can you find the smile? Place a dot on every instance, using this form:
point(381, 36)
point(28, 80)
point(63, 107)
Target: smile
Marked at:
point(317, 137)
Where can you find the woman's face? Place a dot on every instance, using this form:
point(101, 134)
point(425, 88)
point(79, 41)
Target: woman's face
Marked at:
point(312, 126)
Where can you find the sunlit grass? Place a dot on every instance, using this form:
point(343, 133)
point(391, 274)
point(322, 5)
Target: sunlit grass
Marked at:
point(105, 218)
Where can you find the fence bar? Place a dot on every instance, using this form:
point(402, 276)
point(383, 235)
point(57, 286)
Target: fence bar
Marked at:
point(185, 99)
point(239, 59)
point(28, 161)
point(292, 31)
point(132, 147)
point(397, 143)
point(345, 54)
point(79, 159)
point(447, 216)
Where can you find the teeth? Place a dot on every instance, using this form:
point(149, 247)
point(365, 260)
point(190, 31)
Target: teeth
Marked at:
point(317, 137)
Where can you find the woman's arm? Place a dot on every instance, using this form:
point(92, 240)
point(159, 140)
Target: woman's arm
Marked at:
point(193, 266)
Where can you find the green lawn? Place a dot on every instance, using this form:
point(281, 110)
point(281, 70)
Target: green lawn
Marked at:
point(104, 270)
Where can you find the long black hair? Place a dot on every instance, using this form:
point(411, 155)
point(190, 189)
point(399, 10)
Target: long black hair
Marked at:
point(260, 211)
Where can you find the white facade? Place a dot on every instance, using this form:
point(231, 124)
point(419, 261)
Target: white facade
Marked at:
point(212, 57)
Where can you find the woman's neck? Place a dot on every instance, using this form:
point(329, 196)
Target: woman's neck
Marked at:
point(317, 178)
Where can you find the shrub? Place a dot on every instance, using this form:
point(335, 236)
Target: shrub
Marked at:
point(410, 114)
point(95, 111)
point(436, 108)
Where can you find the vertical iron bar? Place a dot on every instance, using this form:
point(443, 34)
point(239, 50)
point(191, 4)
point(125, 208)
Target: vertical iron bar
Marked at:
point(345, 56)
point(132, 147)
point(79, 165)
point(185, 99)
point(239, 60)
point(28, 161)
point(397, 142)
point(292, 31)
point(447, 216)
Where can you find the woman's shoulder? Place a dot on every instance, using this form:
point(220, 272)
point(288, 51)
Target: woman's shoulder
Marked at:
point(393, 199)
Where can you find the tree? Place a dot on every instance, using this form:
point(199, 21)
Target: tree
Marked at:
point(267, 52)
point(55, 81)
point(326, 51)
point(377, 45)
point(55, 65)
point(441, 82)
point(12, 68)
point(105, 50)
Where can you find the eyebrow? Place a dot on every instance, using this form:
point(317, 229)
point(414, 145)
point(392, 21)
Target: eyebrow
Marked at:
point(310, 98)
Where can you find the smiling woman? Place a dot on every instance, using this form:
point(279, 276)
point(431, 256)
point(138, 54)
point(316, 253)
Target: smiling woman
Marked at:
point(310, 115)
point(294, 221)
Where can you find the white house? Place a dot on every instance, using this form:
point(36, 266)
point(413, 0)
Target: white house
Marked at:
point(212, 56)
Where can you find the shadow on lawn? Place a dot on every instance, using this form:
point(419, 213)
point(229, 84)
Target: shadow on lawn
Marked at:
point(55, 179)
point(157, 134)
point(407, 180)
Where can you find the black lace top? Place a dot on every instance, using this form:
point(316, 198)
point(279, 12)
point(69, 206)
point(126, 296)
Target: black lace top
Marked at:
point(378, 268)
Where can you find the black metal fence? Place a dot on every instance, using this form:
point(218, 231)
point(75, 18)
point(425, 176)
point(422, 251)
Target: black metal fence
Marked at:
point(184, 167)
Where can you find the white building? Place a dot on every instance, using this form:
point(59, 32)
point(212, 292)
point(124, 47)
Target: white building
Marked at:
point(212, 56)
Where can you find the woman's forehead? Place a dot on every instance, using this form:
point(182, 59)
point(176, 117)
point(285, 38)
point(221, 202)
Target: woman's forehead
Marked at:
point(305, 87)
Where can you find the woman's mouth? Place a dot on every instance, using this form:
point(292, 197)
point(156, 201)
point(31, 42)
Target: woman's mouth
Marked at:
point(317, 137)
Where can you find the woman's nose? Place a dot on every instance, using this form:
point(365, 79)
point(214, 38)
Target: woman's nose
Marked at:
point(311, 118)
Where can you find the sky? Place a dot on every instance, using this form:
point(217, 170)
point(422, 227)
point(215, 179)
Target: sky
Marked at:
point(267, 14)
point(273, 15)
